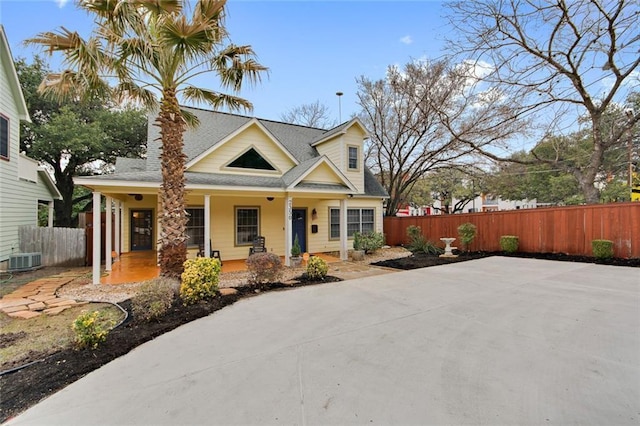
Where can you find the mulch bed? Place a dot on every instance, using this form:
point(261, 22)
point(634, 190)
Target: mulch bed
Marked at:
point(424, 260)
point(27, 386)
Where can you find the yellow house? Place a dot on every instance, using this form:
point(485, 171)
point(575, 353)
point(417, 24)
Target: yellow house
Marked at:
point(248, 177)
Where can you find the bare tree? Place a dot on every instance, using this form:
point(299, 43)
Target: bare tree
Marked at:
point(419, 118)
point(311, 115)
point(560, 60)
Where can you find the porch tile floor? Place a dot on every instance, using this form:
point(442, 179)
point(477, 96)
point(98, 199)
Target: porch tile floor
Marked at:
point(39, 297)
point(142, 266)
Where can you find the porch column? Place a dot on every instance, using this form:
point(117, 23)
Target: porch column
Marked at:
point(51, 214)
point(121, 220)
point(117, 231)
point(207, 225)
point(108, 233)
point(344, 251)
point(96, 239)
point(288, 206)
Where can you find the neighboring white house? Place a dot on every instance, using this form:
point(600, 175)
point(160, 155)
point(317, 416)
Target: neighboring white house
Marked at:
point(482, 203)
point(23, 184)
point(490, 203)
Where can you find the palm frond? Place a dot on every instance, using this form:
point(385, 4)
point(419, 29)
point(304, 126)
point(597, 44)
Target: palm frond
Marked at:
point(216, 99)
point(190, 39)
point(190, 119)
point(128, 91)
point(60, 40)
point(233, 70)
point(72, 86)
point(159, 6)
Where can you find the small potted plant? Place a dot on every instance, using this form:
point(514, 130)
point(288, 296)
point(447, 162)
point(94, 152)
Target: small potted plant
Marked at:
point(296, 260)
point(358, 250)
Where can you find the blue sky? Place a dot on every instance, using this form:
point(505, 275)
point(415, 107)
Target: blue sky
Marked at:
point(313, 48)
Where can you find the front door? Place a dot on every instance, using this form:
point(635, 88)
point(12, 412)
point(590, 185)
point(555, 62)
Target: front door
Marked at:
point(299, 228)
point(141, 230)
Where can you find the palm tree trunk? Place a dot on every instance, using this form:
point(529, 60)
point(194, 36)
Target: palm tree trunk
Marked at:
point(173, 218)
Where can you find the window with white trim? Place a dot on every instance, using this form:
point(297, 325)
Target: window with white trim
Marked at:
point(353, 158)
point(4, 137)
point(195, 226)
point(358, 220)
point(247, 225)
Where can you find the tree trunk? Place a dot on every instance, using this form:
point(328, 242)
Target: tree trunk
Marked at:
point(173, 218)
point(63, 209)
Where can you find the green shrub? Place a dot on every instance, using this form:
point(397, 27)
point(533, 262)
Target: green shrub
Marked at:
point(317, 268)
point(90, 329)
point(154, 298)
point(372, 241)
point(467, 233)
point(509, 243)
point(357, 241)
point(602, 249)
point(295, 249)
point(264, 268)
point(199, 279)
point(419, 244)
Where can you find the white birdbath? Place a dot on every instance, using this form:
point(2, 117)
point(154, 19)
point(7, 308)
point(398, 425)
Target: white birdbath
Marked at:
point(448, 248)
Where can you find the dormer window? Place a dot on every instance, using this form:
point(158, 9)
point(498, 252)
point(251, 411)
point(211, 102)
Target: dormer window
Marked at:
point(353, 158)
point(4, 137)
point(251, 159)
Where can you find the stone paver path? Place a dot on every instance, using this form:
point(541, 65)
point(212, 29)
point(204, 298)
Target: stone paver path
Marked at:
point(39, 297)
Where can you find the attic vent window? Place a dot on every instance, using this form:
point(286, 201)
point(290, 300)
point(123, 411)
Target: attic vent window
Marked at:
point(251, 160)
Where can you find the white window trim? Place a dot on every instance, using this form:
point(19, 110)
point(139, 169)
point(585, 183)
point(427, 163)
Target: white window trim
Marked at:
point(235, 223)
point(335, 238)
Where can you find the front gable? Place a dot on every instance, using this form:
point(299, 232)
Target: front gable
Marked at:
point(251, 149)
point(320, 172)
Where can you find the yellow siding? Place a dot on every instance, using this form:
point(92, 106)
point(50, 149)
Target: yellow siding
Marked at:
point(337, 150)
point(253, 136)
point(320, 242)
point(333, 150)
point(354, 138)
point(322, 174)
point(272, 221)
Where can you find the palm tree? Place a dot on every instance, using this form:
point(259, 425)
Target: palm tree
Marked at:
point(151, 49)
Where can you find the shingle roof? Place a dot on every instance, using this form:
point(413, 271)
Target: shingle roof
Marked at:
point(215, 127)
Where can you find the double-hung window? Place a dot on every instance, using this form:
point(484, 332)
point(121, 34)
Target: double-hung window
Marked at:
point(358, 220)
point(247, 225)
point(4, 137)
point(195, 227)
point(353, 158)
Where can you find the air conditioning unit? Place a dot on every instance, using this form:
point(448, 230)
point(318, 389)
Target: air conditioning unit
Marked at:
point(25, 261)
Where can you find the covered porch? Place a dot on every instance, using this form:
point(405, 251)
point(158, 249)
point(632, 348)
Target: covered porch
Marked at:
point(313, 217)
point(140, 266)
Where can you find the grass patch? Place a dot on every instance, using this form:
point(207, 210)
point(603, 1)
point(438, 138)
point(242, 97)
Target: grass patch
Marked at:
point(23, 341)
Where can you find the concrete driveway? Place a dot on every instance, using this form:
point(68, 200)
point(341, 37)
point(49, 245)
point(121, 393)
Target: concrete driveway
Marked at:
point(490, 341)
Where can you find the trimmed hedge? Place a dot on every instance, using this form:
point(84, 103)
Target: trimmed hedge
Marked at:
point(509, 243)
point(602, 249)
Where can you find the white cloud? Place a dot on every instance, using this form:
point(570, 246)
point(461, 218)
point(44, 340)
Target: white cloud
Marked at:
point(61, 3)
point(406, 39)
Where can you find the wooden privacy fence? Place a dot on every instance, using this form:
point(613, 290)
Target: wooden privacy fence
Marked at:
point(59, 246)
point(568, 230)
point(88, 233)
